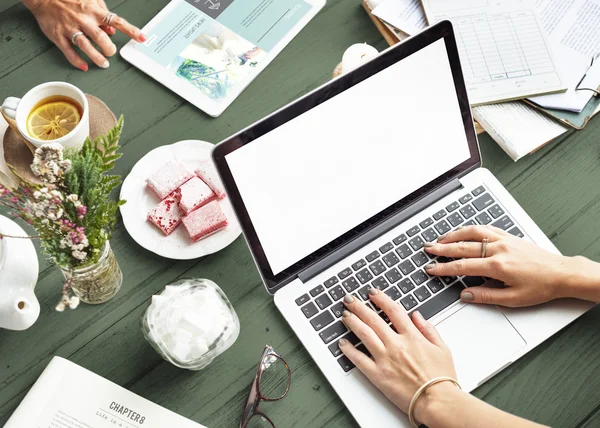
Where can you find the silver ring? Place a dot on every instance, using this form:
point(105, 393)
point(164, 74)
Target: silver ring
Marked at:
point(484, 243)
point(74, 36)
point(107, 20)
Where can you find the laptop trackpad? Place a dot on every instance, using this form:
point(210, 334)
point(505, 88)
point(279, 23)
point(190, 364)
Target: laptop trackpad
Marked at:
point(481, 340)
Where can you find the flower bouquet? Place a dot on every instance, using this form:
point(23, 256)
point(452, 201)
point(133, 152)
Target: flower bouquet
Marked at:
point(73, 215)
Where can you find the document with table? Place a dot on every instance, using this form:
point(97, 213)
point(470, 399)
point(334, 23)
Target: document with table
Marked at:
point(503, 49)
point(69, 396)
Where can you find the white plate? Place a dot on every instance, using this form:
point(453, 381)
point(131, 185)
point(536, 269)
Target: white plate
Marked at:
point(140, 200)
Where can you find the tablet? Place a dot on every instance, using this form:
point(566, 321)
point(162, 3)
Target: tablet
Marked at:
point(208, 51)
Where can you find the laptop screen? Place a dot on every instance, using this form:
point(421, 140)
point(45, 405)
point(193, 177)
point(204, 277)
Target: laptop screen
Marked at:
point(321, 174)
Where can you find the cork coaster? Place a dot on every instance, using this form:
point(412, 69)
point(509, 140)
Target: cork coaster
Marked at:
point(19, 155)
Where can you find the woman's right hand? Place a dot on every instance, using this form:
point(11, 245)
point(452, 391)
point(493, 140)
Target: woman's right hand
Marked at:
point(531, 274)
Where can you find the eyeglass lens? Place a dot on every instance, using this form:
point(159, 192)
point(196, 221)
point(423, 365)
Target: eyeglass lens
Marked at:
point(274, 380)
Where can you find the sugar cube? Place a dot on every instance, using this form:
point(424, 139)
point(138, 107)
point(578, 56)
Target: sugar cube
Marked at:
point(166, 215)
point(194, 194)
point(208, 173)
point(181, 351)
point(194, 322)
point(199, 347)
point(205, 221)
point(169, 177)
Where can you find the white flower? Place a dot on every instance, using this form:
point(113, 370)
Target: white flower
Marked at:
point(79, 255)
point(63, 243)
point(37, 194)
point(72, 198)
point(51, 216)
point(74, 302)
point(39, 214)
point(60, 307)
point(45, 221)
point(44, 190)
point(59, 213)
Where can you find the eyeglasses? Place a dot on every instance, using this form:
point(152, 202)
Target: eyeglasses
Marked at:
point(271, 383)
point(579, 88)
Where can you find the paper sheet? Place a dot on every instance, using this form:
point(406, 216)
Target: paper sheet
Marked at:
point(517, 128)
point(574, 32)
point(405, 15)
point(503, 50)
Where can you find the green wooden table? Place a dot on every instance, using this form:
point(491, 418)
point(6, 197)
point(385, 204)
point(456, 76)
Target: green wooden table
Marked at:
point(557, 384)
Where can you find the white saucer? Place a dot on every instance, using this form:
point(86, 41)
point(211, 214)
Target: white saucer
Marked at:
point(140, 200)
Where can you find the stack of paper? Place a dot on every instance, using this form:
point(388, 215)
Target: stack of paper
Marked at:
point(518, 128)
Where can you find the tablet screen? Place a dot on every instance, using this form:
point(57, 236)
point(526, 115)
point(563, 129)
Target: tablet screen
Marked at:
point(217, 46)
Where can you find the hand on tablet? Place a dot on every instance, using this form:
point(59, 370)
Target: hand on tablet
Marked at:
point(81, 23)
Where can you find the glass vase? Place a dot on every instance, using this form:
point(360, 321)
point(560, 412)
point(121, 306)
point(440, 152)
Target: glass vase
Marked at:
point(97, 283)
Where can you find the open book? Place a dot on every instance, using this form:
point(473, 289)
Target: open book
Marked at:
point(69, 396)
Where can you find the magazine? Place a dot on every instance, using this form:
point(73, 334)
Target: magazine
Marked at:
point(209, 50)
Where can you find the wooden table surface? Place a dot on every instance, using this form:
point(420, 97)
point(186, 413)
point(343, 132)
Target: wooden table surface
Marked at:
point(557, 384)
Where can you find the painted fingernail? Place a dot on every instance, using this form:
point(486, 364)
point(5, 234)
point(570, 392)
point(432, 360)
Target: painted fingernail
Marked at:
point(430, 265)
point(142, 38)
point(348, 298)
point(346, 314)
point(83, 67)
point(467, 297)
point(105, 64)
point(442, 237)
point(429, 244)
point(342, 342)
point(373, 291)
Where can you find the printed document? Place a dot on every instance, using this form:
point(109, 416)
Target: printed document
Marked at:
point(69, 396)
point(503, 50)
point(405, 15)
point(573, 28)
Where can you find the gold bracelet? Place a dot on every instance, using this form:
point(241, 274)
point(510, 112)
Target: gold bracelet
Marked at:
point(411, 407)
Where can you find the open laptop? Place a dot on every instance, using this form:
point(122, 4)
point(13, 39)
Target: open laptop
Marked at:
point(338, 192)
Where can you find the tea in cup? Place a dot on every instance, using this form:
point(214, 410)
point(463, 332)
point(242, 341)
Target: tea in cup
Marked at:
point(53, 112)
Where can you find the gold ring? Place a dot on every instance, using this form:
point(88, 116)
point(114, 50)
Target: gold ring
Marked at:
point(484, 243)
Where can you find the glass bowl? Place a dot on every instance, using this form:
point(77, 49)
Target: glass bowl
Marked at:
point(190, 323)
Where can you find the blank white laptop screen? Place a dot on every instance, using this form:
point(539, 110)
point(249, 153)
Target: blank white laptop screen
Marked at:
point(330, 169)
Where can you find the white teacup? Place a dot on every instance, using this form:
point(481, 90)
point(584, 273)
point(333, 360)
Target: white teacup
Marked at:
point(16, 112)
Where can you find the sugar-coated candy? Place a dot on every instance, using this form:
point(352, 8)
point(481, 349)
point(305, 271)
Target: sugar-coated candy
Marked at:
point(194, 194)
point(205, 221)
point(169, 177)
point(166, 215)
point(208, 173)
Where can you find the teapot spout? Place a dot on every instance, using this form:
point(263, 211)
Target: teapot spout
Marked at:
point(19, 311)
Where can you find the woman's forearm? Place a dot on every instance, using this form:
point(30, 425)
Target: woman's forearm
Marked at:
point(449, 407)
point(581, 280)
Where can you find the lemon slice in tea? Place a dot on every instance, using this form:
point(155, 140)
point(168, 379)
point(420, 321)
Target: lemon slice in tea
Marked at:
point(52, 120)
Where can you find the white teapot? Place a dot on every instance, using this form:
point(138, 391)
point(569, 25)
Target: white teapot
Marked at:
point(19, 308)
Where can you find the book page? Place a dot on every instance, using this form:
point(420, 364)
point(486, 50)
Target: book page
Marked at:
point(503, 50)
point(69, 396)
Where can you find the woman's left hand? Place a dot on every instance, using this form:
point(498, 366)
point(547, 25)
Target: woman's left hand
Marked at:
point(401, 361)
point(61, 19)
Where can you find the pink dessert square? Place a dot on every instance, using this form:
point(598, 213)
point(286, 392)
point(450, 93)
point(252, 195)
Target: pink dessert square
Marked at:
point(210, 176)
point(166, 215)
point(194, 194)
point(169, 177)
point(205, 221)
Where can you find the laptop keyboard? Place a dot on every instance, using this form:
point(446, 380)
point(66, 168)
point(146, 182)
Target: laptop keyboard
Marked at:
point(398, 269)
